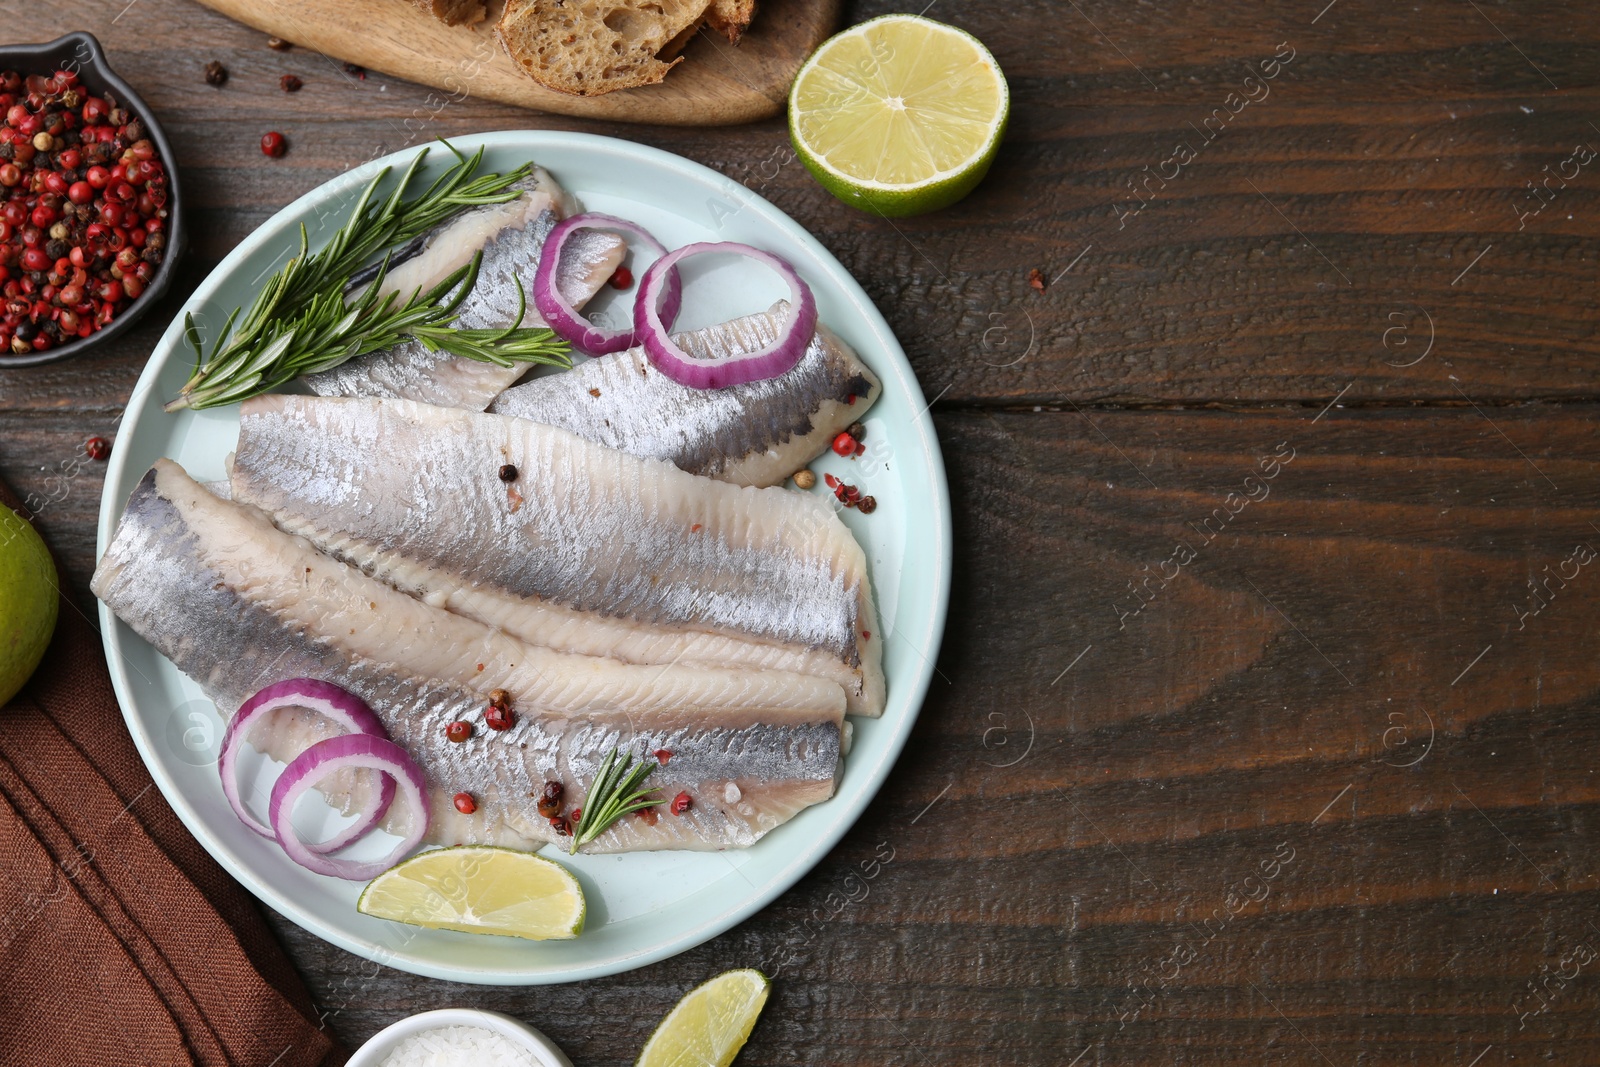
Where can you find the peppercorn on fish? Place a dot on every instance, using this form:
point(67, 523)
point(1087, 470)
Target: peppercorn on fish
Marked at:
point(566, 543)
point(757, 433)
point(237, 604)
point(511, 236)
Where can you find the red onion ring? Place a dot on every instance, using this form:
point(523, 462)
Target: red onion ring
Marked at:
point(561, 316)
point(327, 700)
point(336, 754)
point(652, 322)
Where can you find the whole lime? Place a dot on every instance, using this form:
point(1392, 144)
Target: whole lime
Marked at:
point(28, 601)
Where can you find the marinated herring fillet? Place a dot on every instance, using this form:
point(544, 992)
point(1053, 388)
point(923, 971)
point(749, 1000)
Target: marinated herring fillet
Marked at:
point(758, 433)
point(318, 594)
point(588, 550)
point(237, 604)
point(511, 236)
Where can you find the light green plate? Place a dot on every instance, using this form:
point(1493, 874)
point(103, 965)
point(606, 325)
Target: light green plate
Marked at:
point(644, 906)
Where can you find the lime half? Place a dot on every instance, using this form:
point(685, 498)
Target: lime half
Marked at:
point(479, 889)
point(900, 115)
point(710, 1025)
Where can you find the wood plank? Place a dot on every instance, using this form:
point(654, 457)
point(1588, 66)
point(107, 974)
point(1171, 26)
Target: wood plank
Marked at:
point(1303, 705)
point(42, 458)
point(1399, 152)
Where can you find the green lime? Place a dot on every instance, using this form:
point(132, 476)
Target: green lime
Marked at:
point(900, 115)
point(479, 889)
point(28, 601)
point(710, 1024)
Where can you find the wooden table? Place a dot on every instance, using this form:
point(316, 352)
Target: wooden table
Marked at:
point(1265, 725)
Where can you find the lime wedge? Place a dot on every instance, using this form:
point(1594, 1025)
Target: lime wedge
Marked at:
point(710, 1025)
point(479, 889)
point(900, 115)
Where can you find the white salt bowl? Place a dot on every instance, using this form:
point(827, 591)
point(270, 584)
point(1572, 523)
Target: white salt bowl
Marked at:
point(541, 1049)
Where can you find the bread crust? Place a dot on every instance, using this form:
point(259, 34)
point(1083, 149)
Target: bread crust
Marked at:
point(454, 12)
point(731, 17)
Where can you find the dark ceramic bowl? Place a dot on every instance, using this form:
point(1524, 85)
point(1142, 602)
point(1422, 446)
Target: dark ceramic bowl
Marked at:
point(81, 52)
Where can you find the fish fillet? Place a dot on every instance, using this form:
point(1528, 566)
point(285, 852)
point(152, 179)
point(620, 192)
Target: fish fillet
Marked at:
point(237, 604)
point(758, 433)
point(309, 590)
point(589, 550)
point(511, 236)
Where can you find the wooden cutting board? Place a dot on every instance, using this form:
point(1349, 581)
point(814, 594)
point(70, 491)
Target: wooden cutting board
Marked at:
point(717, 84)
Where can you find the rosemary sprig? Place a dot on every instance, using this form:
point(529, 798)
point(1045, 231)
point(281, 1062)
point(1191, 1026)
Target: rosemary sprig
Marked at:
point(330, 331)
point(615, 793)
point(303, 322)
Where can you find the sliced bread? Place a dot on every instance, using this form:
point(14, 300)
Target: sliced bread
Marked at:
point(590, 47)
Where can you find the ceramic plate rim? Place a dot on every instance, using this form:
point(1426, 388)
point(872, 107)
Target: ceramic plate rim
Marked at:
point(926, 638)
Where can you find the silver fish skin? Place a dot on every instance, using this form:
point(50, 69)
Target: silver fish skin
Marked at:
point(758, 433)
point(589, 550)
point(511, 237)
point(213, 601)
point(312, 591)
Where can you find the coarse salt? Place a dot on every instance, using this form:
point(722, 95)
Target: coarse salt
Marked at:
point(459, 1046)
point(731, 794)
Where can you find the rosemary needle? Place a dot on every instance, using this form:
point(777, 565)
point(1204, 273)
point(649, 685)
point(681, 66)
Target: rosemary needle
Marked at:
point(615, 793)
point(303, 321)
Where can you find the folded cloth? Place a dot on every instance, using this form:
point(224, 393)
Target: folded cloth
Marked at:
point(121, 940)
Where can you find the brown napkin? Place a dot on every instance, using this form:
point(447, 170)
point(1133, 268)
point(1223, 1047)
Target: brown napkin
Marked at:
point(121, 940)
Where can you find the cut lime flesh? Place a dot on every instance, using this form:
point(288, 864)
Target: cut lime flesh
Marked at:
point(899, 115)
point(479, 889)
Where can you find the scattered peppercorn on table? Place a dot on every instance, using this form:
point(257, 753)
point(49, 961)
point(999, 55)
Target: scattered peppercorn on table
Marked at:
point(1263, 363)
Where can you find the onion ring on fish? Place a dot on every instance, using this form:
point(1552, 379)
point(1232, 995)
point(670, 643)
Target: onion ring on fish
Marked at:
point(331, 702)
point(560, 316)
point(657, 305)
point(346, 752)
